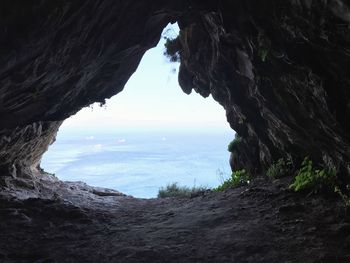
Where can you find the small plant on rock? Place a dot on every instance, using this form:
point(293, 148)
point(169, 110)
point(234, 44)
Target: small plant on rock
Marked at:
point(172, 49)
point(317, 181)
point(264, 46)
point(345, 197)
point(283, 167)
point(314, 180)
point(233, 144)
point(263, 54)
point(238, 178)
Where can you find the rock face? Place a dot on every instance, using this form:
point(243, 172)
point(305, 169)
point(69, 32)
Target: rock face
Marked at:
point(57, 57)
point(281, 69)
point(21, 151)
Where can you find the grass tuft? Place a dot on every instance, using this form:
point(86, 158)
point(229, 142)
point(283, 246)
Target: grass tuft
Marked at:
point(174, 190)
point(238, 178)
point(280, 169)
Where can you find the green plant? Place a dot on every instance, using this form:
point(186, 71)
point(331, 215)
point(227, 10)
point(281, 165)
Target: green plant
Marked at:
point(281, 168)
point(264, 46)
point(233, 144)
point(174, 190)
point(172, 49)
point(263, 54)
point(238, 178)
point(314, 180)
point(343, 196)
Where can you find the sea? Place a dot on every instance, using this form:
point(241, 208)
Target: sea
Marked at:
point(138, 162)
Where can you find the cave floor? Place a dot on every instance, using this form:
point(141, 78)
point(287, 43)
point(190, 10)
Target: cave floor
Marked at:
point(261, 223)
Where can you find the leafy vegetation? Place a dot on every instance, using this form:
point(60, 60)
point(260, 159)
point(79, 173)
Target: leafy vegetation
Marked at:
point(172, 49)
point(317, 181)
point(174, 190)
point(232, 145)
point(238, 178)
point(283, 167)
point(314, 180)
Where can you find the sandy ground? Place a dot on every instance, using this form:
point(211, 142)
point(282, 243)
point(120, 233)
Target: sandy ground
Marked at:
point(263, 222)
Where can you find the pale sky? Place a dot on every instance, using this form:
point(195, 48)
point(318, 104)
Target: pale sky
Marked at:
point(153, 99)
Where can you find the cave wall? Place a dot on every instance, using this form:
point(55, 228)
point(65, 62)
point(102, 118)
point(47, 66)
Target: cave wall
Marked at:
point(21, 150)
point(281, 69)
point(57, 57)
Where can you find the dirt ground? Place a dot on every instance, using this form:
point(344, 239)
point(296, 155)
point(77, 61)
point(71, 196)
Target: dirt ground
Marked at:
point(264, 222)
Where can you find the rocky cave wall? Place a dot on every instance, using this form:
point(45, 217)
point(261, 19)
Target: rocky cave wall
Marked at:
point(281, 69)
point(59, 56)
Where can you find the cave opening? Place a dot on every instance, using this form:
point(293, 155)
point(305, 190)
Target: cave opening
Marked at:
point(148, 136)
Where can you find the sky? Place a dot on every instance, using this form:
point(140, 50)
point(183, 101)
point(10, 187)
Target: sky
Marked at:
point(153, 99)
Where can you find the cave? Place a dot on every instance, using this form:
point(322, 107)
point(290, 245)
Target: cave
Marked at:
point(281, 71)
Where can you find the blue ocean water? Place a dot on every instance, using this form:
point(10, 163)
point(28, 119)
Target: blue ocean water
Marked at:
point(139, 162)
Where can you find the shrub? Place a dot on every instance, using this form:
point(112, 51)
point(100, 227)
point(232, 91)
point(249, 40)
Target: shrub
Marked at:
point(280, 169)
point(238, 178)
point(174, 190)
point(232, 145)
point(172, 49)
point(314, 180)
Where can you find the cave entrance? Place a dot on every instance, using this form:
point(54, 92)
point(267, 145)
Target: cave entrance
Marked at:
point(146, 137)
